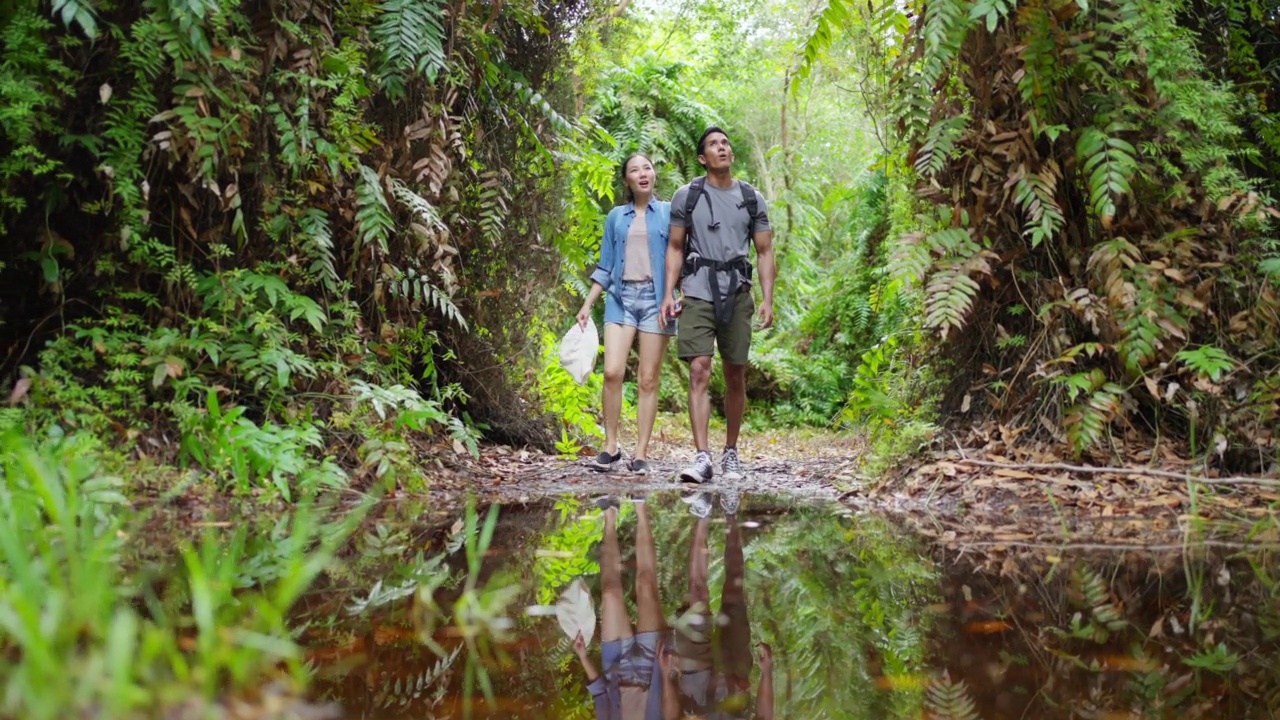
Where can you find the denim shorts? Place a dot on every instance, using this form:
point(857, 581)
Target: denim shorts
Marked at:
point(634, 659)
point(639, 309)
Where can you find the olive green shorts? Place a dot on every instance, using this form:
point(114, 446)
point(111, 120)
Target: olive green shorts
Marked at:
point(698, 335)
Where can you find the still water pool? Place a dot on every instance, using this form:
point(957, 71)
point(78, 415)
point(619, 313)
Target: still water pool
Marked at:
point(763, 606)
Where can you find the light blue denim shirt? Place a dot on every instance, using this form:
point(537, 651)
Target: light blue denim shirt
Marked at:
point(613, 252)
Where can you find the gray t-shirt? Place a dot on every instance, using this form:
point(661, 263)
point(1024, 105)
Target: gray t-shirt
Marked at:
point(725, 243)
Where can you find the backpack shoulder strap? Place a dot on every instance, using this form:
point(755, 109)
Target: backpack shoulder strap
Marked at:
point(691, 200)
point(696, 191)
point(749, 202)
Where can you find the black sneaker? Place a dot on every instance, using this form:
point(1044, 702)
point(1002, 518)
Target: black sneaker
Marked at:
point(605, 462)
point(639, 466)
point(700, 471)
point(730, 467)
point(604, 502)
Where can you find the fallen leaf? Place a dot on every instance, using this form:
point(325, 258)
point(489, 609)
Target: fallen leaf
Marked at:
point(1005, 472)
point(987, 627)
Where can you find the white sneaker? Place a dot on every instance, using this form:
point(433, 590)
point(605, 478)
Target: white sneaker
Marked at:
point(699, 504)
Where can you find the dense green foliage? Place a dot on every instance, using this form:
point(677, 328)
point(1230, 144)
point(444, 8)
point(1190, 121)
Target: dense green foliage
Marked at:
point(1096, 252)
point(278, 243)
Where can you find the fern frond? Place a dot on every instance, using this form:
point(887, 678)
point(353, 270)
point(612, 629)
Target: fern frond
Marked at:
point(946, 700)
point(410, 36)
point(1098, 597)
point(427, 223)
point(1111, 262)
point(827, 26)
point(950, 297)
point(493, 207)
point(314, 226)
point(940, 143)
point(1109, 162)
point(1035, 194)
point(373, 214)
point(1097, 403)
point(418, 289)
point(910, 259)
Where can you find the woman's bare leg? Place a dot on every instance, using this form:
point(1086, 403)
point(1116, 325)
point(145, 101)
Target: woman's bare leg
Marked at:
point(617, 347)
point(653, 348)
point(614, 623)
point(649, 615)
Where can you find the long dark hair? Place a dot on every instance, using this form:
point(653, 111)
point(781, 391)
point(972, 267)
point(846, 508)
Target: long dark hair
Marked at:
point(622, 173)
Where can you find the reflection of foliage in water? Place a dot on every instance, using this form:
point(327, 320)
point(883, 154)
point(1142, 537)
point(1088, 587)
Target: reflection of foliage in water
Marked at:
point(1189, 635)
point(836, 599)
point(565, 550)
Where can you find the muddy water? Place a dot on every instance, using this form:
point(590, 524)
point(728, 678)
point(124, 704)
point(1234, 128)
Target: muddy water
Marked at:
point(863, 620)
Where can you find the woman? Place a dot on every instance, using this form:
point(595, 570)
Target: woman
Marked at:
point(632, 268)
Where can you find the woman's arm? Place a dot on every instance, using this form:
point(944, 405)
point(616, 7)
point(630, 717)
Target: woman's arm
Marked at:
point(592, 296)
point(603, 273)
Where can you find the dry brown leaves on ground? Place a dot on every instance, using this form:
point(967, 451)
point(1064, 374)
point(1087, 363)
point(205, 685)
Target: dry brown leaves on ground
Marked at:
point(996, 489)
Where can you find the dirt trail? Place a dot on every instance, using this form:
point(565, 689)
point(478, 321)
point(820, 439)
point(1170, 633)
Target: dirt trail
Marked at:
point(988, 489)
point(811, 465)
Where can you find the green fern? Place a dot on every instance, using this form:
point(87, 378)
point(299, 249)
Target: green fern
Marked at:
point(1098, 599)
point(910, 260)
point(828, 24)
point(1095, 402)
point(952, 289)
point(314, 227)
point(1207, 361)
point(940, 143)
point(947, 700)
point(951, 292)
point(423, 211)
point(373, 214)
point(410, 36)
point(1109, 162)
point(493, 207)
point(417, 288)
point(1035, 194)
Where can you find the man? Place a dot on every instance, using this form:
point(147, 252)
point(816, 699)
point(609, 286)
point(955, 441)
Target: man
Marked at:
point(628, 685)
point(706, 671)
point(715, 279)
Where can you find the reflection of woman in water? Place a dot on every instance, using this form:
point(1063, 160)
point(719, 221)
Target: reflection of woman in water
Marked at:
point(628, 686)
point(707, 673)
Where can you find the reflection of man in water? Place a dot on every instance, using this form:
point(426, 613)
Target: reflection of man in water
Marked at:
point(708, 671)
point(629, 685)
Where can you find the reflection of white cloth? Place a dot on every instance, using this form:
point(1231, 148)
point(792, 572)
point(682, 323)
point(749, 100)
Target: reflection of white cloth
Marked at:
point(575, 611)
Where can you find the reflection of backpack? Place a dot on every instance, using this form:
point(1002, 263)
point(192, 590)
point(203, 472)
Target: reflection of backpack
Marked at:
point(740, 267)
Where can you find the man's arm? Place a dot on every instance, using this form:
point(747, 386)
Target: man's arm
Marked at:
point(768, 272)
point(764, 696)
point(675, 262)
point(670, 687)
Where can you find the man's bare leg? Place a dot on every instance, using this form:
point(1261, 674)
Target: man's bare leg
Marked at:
point(700, 399)
point(735, 401)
